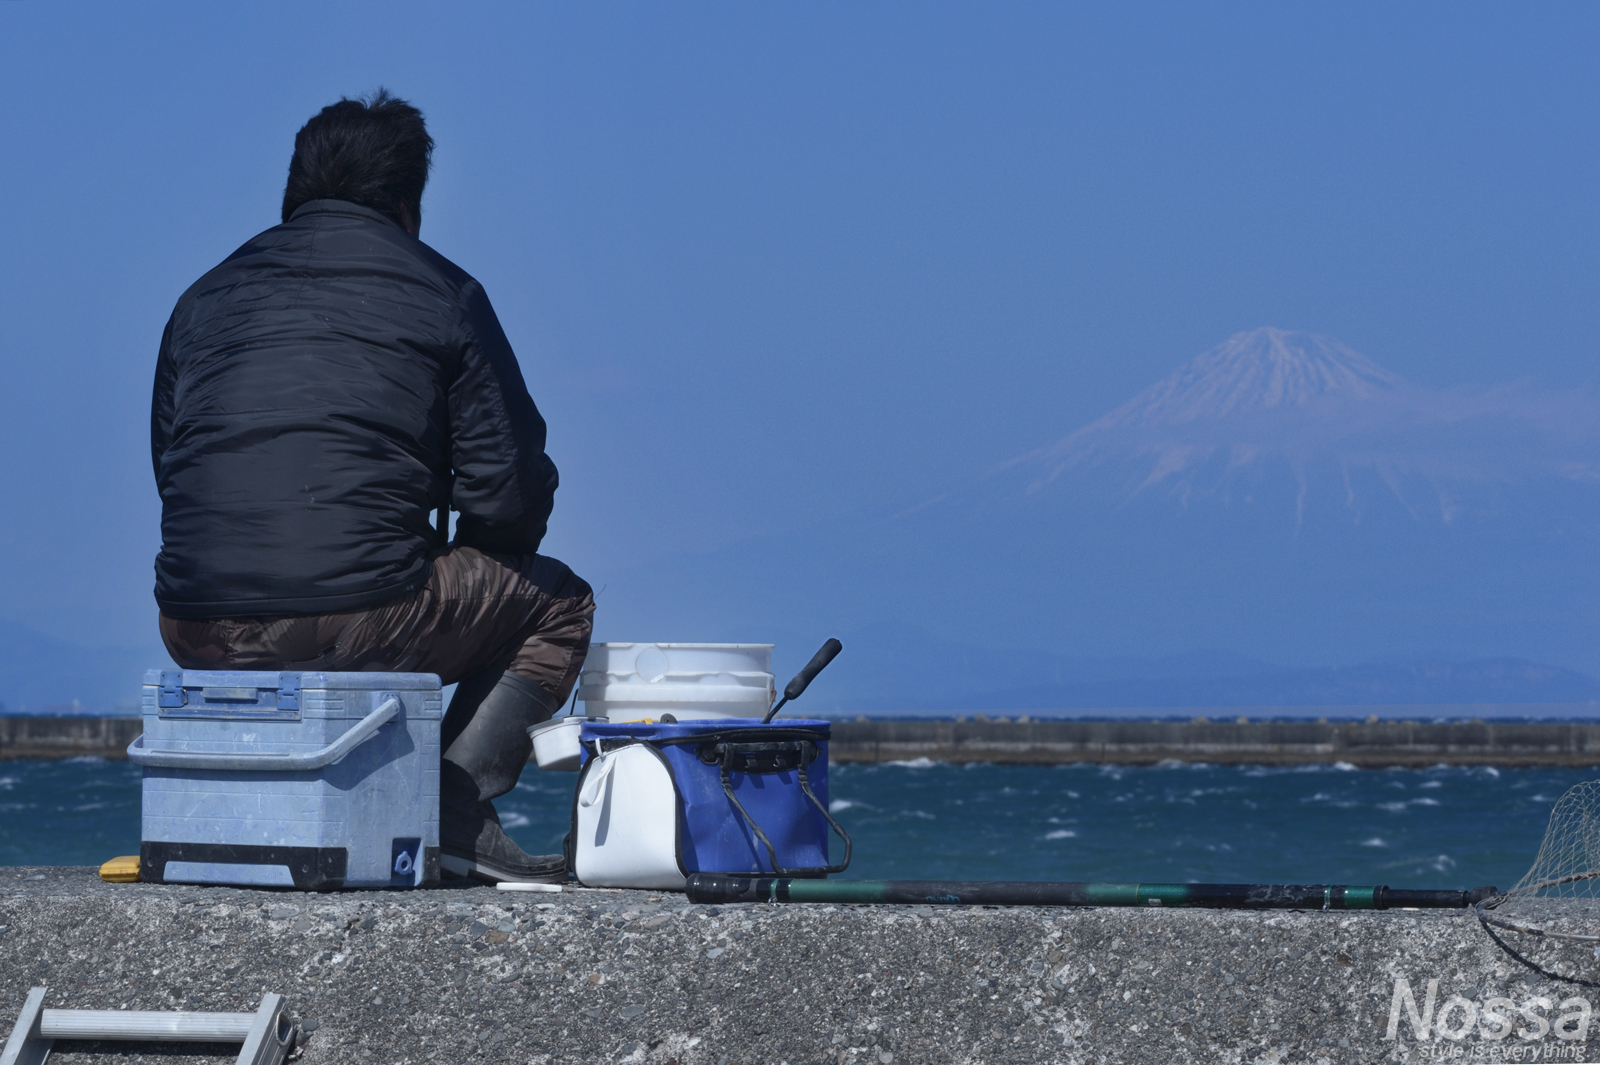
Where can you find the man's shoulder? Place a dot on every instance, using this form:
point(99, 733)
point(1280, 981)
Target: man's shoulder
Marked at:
point(340, 239)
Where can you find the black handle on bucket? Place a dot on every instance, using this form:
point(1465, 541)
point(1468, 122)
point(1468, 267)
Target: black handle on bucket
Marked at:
point(755, 757)
point(802, 680)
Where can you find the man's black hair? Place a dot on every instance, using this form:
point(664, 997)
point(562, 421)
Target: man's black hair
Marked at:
point(375, 152)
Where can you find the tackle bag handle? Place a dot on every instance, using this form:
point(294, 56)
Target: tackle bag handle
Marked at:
point(770, 758)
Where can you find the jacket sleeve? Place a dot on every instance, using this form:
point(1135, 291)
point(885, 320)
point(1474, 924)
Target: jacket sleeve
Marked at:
point(162, 401)
point(504, 483)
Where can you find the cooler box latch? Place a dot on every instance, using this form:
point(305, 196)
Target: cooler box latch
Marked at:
point(172, 694)
point(288, 691)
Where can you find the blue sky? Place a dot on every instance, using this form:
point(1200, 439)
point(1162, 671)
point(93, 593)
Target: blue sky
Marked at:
point(770, 267)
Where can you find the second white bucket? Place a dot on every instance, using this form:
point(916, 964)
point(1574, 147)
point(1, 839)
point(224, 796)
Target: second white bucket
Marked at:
point(690, 681)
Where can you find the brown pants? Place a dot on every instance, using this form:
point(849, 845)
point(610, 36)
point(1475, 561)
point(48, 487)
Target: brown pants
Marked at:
point(529, 614)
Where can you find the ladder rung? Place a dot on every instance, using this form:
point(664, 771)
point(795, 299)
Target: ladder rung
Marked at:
point(146, 1025)
point(267, 1035)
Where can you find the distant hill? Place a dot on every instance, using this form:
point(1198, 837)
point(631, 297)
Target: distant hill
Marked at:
point(896, 670)
point(893, 670)
point(41, 674)
point(1415, 681)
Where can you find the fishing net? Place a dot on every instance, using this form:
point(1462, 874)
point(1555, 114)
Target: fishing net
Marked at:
point(1553, 912)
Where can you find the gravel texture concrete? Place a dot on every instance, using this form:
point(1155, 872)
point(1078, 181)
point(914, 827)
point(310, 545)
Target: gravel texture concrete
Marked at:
point(476, 975)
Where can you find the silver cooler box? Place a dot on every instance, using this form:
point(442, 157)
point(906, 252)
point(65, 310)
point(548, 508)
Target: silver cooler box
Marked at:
point(314, 781)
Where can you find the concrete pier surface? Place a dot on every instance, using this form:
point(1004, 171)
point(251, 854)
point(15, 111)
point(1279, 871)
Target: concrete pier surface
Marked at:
point(478, 975)
point(1369, 743)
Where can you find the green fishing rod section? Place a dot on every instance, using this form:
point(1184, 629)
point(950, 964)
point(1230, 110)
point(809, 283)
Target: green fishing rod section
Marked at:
point(711, 888)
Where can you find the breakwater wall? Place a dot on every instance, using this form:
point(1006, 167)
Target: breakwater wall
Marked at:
point(67, 737)
point(476, 975)
point(1363, 743)
point(1372, 743)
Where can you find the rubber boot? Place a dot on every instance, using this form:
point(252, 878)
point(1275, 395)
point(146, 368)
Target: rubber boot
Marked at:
point(486, 746)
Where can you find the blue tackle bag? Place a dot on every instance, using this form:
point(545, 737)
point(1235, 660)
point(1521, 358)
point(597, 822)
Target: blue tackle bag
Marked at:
point(656, 802)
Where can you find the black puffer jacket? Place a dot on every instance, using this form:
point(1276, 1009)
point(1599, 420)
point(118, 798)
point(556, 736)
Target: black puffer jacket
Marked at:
point(317, 395)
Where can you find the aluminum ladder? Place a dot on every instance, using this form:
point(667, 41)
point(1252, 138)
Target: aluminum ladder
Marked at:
point(267, 1034)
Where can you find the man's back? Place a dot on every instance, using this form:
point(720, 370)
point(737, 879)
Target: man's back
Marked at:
point(313, 394)
point(317, 395)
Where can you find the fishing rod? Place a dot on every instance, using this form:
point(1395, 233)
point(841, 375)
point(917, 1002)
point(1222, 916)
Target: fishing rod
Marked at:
point(709, 887)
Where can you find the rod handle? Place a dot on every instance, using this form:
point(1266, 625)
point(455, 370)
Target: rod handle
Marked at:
point(818, 663)
point(712, 888)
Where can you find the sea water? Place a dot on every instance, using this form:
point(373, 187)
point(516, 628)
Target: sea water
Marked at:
point(1447, 826)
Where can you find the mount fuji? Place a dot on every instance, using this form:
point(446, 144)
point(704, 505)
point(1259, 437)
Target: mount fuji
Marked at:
point(1279, 503)
point(1270, 405)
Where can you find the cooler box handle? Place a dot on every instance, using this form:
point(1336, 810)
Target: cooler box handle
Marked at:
point(365, 729)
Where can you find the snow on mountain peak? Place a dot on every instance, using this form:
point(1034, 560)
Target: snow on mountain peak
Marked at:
point(1263, 369)
point(1263, 373)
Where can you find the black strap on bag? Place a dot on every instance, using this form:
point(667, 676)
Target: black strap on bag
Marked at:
point(774, 756)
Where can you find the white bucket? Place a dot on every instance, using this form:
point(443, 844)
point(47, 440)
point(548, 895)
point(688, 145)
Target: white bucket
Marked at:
point(690, 681)
point(555, 744)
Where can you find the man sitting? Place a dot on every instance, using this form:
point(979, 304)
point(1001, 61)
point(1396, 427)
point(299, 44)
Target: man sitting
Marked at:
point(317, 396)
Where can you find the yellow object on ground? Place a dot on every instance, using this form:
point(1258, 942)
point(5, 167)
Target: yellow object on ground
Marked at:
point(124, 870)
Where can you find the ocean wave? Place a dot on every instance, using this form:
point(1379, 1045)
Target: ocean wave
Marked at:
point(1259, 822)
point(1439, 863)
point(914, 763)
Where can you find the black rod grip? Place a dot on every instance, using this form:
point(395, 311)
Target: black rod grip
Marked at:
point(818, 663)
point(714, 888)
point(1395, 898)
